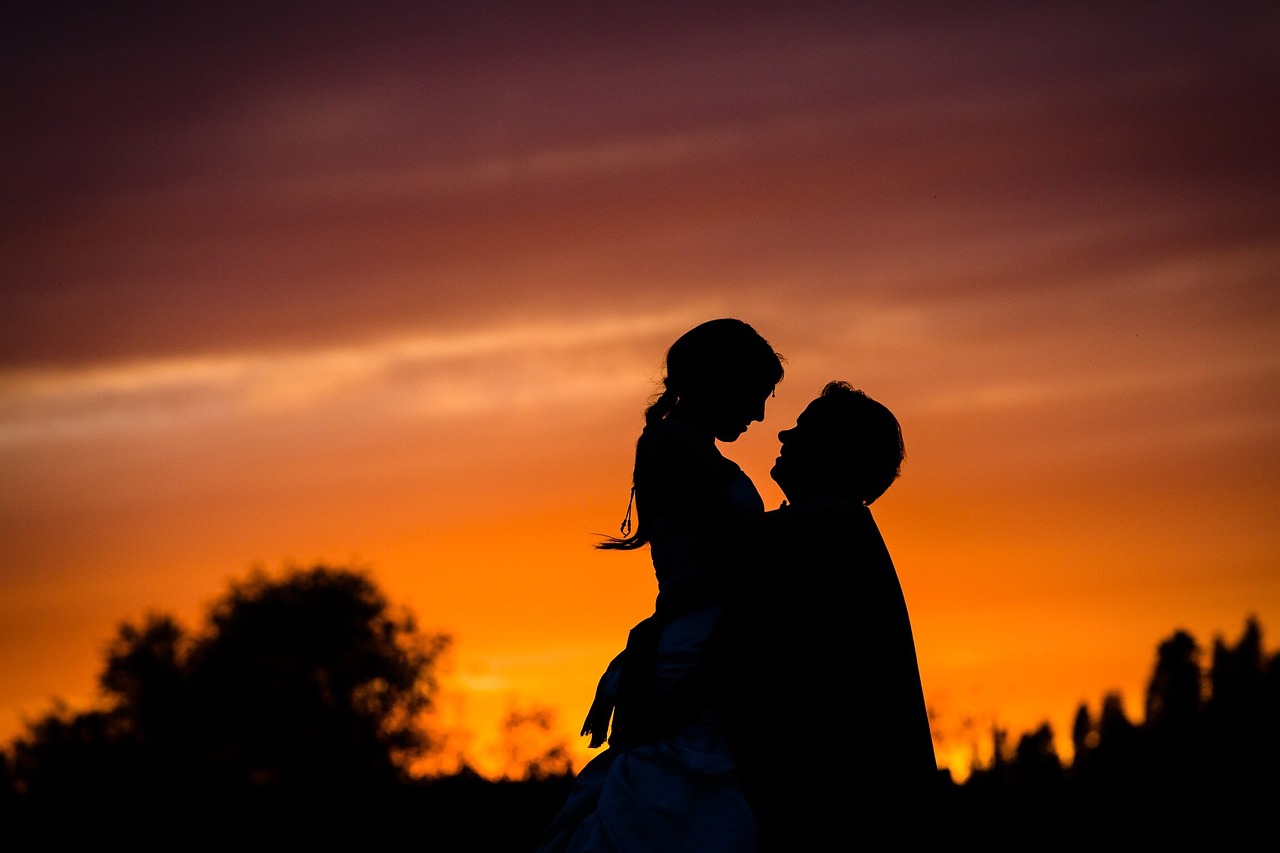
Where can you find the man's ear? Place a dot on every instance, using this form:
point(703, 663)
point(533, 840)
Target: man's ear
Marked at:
point(844, 472)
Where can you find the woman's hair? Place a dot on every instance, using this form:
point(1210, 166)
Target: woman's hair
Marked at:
point(710, 356)
point(871, 431)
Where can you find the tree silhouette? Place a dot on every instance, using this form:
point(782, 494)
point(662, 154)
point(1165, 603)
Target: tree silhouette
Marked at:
point(1241, 726)
point(533, 751)
point(1174, 693)
point(144, 670)
point(296, 685)
point(1036, 762)
point(1084, 735)
point(69, 756)
point(1202, 764)
point(307, 690)
point(290, 718)
point(311, 682)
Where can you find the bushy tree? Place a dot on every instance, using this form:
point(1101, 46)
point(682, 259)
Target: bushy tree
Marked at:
point(311, 681)
point(302, 683)
point(1035, 761)
point(1175, 691)
point(532, 750)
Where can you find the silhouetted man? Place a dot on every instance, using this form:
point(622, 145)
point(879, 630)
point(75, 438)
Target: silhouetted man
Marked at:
point(813, 664)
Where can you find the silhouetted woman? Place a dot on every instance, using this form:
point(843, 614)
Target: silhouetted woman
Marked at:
point(667, 781)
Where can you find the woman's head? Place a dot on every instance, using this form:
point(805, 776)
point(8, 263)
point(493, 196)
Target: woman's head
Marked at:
point(719, 372)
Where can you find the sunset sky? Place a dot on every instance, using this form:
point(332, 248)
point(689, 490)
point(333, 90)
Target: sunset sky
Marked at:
point(389, 284)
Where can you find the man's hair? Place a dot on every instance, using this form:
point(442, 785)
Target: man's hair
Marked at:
point(871, 432)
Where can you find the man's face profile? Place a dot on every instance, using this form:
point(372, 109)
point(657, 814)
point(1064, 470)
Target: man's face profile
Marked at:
point(808, 457)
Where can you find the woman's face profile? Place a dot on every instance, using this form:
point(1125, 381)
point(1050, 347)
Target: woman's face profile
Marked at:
point(737, 407)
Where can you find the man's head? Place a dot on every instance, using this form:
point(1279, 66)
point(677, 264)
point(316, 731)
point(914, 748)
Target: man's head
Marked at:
point(844, 443)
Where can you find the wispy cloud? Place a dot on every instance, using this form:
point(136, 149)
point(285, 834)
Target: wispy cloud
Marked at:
point(1065, 391)
point(436, 375)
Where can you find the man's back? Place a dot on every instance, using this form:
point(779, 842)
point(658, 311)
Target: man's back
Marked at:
point(817, 685)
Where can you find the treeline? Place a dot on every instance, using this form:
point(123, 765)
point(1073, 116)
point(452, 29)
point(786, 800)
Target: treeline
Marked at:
point(303, 706)
point(1204, 762)
point(299, 709)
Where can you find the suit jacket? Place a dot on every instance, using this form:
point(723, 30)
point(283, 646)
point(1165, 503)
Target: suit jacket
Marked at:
point(816, 684)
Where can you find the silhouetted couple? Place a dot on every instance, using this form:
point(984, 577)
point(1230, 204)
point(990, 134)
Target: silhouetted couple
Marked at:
point(773, 699)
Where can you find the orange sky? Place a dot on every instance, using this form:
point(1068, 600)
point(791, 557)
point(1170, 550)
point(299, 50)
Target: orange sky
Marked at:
point(393, 288)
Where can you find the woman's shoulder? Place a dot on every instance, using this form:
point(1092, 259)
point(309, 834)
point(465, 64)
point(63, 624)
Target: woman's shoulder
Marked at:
point(676, 432)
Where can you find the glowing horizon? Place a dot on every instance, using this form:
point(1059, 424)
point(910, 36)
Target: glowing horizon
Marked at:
point(365, 288)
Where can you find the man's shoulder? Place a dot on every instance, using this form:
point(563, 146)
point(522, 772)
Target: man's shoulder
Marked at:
point(830, 526)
